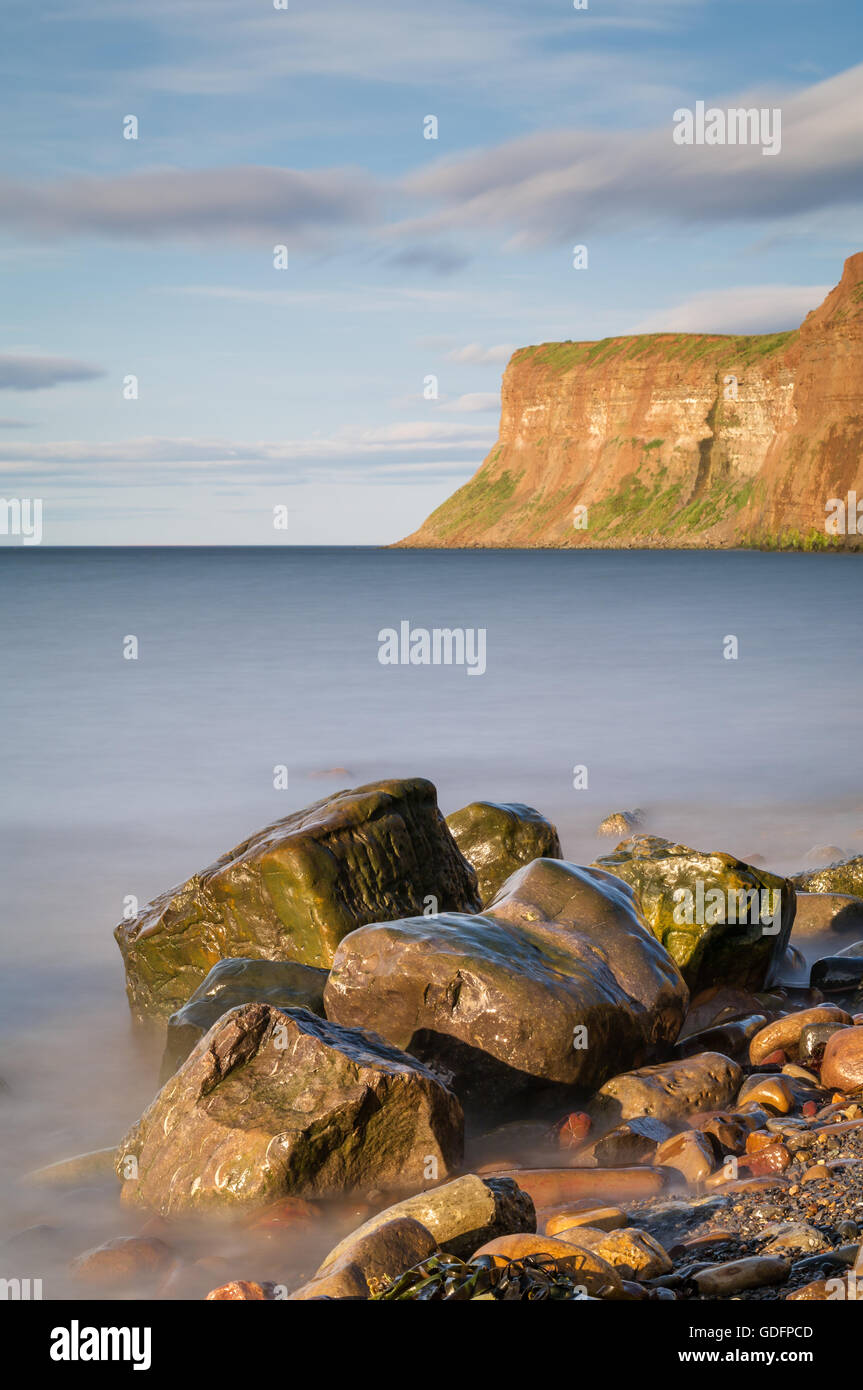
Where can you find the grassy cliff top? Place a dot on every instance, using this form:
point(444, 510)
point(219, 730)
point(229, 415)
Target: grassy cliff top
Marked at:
point(719, 348)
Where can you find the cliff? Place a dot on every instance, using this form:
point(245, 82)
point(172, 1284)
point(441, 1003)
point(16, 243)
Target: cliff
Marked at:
point(674, 440)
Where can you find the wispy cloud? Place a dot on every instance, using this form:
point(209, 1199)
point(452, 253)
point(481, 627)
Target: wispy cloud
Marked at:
point(561, 185)
point(420, 448)
point(749, 309)
point(475, 353)
point(20, 373)
point(240, 203)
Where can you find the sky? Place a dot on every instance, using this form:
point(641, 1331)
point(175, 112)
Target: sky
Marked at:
point(306, 387)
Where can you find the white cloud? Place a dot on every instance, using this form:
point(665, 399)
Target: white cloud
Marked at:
point(554, 186)
point(476, 353)
point(749, 309)
point(474, 402)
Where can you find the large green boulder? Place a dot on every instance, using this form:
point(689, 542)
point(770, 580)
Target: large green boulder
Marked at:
point(722, 921)
point(557, 985)
point(293, 890)
point(498, 837)
point(274, 1103)
point(846, 876)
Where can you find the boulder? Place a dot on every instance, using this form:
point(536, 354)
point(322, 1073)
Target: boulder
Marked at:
point(273, 1103)
point(835, 915)
point(837, 974)
point(235, 981)
point(293, 890)
point(711, 912)
point(556, 985)
point(123, 1262)
point(671, 1092)
point(460, 1215)
point(497, 838)
point(845, 876)
point(842, 1067)
point(367, 1264)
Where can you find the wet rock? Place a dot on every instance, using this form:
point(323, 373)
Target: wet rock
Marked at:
point(367, 1264)
point(276, 1103)
point(497, 838)
point(620, 823)
point(460, 1215)
point(242, 1290)
point(559, 944)
point(550, 1188)
point(728, 1132)
point(585, 1214)
point(240, 980)
point(592, 1272)
point(720, 1004)
point(634, 1253)
point(821, 1290)
point(756, 1271)
point(573, 1130)
point(732, 1038)
point(634, 1141)
point(822, 855)
point(845, 877)
point(789, 1237)
point(293, 890)
point(80, 1171)
point(837, 974)
point(123, 1262)
point(671, 1091)
point(842, 1066)
point(774, 1092)
point(815, 1037)
point(691, 1153)
point(708, 910)
point(785, 1032)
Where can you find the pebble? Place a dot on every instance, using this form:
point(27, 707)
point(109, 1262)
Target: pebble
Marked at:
point(718, 1281)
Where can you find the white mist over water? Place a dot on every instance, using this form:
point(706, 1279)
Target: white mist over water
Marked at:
point(123, 777)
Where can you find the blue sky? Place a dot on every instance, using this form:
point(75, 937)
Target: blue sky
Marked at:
point(407, 257)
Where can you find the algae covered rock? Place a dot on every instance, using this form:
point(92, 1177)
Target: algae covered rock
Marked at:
point(721, 921)
point(293, 890)
point(238, 980)
point(620, 823)
point(846, 876)
point(275, 1103)
point(557, 984)
point(499, 837)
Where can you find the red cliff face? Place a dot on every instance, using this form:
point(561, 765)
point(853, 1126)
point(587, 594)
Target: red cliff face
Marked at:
point(675, 440)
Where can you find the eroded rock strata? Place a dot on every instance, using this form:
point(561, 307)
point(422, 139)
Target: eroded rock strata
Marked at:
point(674, 440)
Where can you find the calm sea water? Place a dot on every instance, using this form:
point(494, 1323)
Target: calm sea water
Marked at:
point(122, 777)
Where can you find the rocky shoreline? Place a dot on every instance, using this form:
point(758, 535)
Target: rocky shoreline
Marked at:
point(415, 1058)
